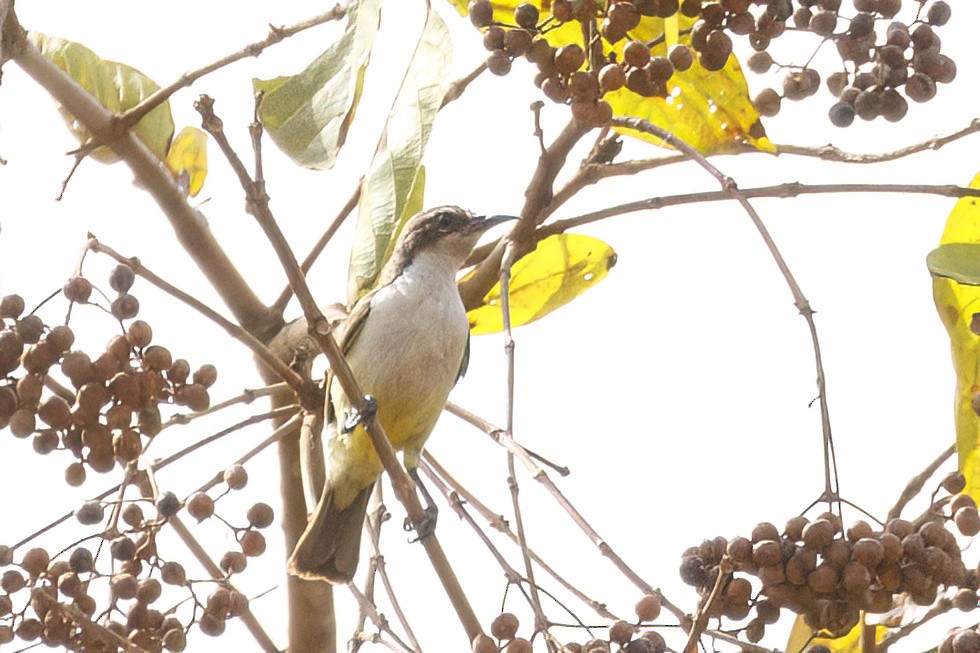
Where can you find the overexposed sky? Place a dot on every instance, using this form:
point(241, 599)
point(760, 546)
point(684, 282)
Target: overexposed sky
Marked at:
point(677, 390)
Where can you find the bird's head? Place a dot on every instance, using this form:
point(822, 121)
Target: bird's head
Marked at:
point(446, 231)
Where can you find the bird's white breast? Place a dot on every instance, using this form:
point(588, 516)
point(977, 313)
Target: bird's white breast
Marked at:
point(409, 351)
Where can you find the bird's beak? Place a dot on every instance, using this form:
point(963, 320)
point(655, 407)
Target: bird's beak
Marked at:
point(494, 220)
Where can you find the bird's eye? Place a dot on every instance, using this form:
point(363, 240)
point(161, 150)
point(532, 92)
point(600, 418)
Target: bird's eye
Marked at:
point(446, 220)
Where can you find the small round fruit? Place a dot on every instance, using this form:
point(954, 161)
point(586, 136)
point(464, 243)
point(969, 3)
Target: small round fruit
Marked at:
point(78, 289)
point(121, 278)
point(504, 626)
point(648, 608)
point(481, 13)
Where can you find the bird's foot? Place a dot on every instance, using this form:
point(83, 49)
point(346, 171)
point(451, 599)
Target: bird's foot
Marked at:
point(425, 528)
point(367, 412)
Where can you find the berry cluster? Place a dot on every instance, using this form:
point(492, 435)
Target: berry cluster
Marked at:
point(623, 636)
point(569, 74)
point(113, 402)
point(876, 62)
point(56, 599)
point(109, 587)
point(829, 575)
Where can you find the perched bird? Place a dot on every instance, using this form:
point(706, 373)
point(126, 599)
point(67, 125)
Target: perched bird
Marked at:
point(407, 342)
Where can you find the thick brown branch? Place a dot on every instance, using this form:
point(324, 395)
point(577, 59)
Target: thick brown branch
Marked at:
point(189, 226)
point(537, 197)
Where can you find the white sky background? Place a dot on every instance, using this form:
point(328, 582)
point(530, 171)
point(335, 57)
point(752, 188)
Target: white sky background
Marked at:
point(677, 390)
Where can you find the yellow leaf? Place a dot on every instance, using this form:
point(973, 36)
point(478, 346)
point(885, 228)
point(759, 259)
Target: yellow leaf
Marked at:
point(852, 642)
point(116, 86)
point(956, 304)
point(711, 111)
point(561, 268)
point(188, 159)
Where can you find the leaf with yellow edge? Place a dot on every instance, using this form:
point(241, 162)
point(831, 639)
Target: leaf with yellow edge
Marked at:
point(116, 86)
point(852, 642)
point(956, 304)
point(711, 111)
point(559, 269)
point(188, 159)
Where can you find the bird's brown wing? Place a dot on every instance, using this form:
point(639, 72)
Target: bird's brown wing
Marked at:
point(350, 329)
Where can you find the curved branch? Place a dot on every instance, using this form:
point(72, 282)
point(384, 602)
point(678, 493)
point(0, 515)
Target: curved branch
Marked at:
point(787, 190)
point(276, 34)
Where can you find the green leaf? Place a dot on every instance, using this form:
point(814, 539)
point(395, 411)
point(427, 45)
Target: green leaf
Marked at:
point(392, 191)
point(116, 86)
point(957, 261)
point(308, 114)
point(559, 269)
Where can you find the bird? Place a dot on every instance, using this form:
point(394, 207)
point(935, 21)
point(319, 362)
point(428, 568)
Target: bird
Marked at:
point(407, 343)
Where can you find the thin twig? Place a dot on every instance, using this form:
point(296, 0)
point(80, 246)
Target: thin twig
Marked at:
point(205, 560)
point(378, 562)
point(825, 153)
point(377, 513)
point(541, 622)
point(303, 389)
point(747, 647)
point(708, 603)
point(831, 481)
point(455, 89)
point(160, 464)
point(917, 482)
point(501, 437)
point(498, 523)
point(941, 606)
point(287, 293)
point(377, 618)
point(286, 430)
point(276, 35)
point(787, 190)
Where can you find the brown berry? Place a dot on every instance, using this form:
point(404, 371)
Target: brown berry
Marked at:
point(252, 543)
point(78, 289)
point(139, 334)
point(504, 626)
point(648, 608)
point(481, 12)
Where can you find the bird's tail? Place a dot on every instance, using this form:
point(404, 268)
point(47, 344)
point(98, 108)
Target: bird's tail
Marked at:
point(330, 546)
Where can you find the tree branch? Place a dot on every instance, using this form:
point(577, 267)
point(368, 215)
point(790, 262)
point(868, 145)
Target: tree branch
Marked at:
point(189, 226)
point(129, 118)
point(787, 190)
point(831, 483)
point(261, 352)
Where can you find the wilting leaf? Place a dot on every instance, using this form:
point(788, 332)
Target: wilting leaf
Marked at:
point(188, 159)
point(956, 303)
point(709, 110)
point(799, 638)
point(116, 86)
point(560, 269)
point(393, 189)
point(308, 114)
